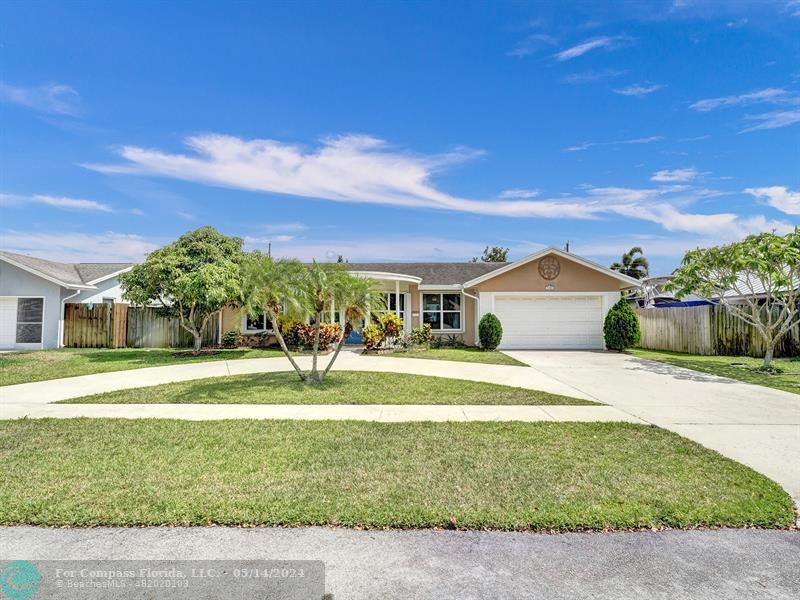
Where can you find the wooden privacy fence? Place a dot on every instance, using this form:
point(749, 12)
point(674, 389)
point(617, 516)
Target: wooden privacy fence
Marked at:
point(707, 330)
point(148, 329)
point(119, 325)
point(100, 325)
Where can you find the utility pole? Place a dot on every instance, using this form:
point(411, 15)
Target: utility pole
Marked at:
point(269, 249)
point(566, 248)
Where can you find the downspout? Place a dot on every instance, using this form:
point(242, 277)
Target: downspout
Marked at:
point(61, 319)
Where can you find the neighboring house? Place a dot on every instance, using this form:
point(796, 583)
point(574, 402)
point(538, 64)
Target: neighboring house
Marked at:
point(655, 296)
point(33, 292)
point(548, 300)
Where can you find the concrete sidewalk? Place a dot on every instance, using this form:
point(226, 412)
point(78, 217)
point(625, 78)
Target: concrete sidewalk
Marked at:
point(443, 565)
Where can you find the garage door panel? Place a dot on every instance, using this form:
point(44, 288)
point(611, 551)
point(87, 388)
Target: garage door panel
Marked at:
point(568, 323)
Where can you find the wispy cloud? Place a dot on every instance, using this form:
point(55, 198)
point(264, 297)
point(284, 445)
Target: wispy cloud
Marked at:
point(79, 247)
point(591, 76)
point(757, 96)
point(519, 193)
point(54, 98)
point(639, 90)
point(772, 120)
point(675, 175)
point(607, 42)
point(362, 169)
point(778, 196)
point(531, 45)
point(586, 145)
point(61, 202)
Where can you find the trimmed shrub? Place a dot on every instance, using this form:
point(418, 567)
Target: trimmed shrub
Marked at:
point(621, 327)
point(301, 335)
point(490, 332)
point(230, 339)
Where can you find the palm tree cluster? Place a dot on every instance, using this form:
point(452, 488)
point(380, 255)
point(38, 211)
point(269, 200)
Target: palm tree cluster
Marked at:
point(288, 290)
point(632, 265)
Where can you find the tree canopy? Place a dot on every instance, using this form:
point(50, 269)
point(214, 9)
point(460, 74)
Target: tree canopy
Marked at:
point(757, 279)
point(191, 278)
point(633, 265)
point(493, 254)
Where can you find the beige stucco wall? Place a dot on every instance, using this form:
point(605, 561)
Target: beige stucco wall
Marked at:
point(573, 277)
point(468, 315)
point(231, 319)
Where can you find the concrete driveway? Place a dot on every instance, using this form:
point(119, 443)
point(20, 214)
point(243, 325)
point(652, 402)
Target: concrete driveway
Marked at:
point(754, 425)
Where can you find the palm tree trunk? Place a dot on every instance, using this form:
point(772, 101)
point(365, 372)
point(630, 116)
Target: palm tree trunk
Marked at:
point(314, 378)
point(339, 346)
point(277, 328)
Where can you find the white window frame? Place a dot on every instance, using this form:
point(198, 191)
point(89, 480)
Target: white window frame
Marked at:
point(29, 345)
point(246, 331)
point(441, 311)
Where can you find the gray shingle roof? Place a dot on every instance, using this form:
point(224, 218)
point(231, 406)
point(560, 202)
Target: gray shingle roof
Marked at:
point(67, 273)
point(432, 273)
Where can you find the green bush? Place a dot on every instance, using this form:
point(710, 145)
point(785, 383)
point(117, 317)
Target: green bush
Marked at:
point(392, 325)
point(490, 332)
point(621, 328)
point(301, 335)
point(230, 339)
point(421, 336)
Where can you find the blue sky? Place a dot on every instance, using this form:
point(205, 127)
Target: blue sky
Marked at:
point(398, 131)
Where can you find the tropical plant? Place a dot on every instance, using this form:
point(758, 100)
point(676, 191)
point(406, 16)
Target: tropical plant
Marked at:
point(191, 278)
point(373, 336)
point(421, 336)
point(490, 331)
point(756, 279)
point(301, 335)
point(621, 327)
point(493, 254)
point(633, 265)
point(391, 324)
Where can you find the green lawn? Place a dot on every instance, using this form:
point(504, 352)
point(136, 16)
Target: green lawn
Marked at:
point(470, 354)
point(23, 367)
point(743, 368)
point(546, 476)
point(340, 387)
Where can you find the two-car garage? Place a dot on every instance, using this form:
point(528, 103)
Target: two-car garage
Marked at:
point(545, 323)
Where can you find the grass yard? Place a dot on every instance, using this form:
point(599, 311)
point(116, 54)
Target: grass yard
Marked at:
point(24, 367)
point(743, 368)
point(469, 354)
point(542, 476)
point(340, 387)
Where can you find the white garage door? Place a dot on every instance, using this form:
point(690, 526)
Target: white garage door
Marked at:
point(8, 323)
point(564, 323)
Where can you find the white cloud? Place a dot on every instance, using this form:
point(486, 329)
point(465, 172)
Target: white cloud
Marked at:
point(53, 98)
point(284, 227)
point(674, 175)
point(778, 196)
point(591, 76)
point(586, 145)
point(519, 193)
point(362, 169)
point(588, 46)
point(61, 202)
point(773, 120)
point(531, 45)
point(78, 247)
point(754, 97)
point(638, 90)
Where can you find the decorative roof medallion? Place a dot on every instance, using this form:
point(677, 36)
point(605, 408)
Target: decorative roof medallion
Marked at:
point(549, 268)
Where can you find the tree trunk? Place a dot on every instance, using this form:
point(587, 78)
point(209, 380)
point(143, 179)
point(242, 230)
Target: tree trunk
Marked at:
point(198, 343)
point(314, 377)
point(769, 354)
point(339, 346)
point(277, 328)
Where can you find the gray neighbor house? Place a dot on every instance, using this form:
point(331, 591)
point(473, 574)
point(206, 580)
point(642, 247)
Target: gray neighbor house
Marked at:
point(33, 292)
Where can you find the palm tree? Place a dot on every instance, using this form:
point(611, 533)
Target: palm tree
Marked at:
point(632, 265)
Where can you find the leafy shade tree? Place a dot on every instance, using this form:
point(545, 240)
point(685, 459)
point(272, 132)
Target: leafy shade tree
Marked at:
point(192, 278)
point(490, 331)
point(621, 327)
point(757, 280)
point(493, 254)
point(289, 290)
point(633, 265)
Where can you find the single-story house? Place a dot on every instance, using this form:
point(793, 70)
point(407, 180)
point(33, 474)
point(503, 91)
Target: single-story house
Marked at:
point(33, 292)
point(548, 300)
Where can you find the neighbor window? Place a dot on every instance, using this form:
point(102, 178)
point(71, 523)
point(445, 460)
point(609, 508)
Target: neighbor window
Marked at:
point(260, 322)
point(442, 311)
point(30, 312)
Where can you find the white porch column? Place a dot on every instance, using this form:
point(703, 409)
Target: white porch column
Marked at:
point(397, 297)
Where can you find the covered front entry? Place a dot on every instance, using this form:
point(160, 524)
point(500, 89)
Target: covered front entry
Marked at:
point(550, 323)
